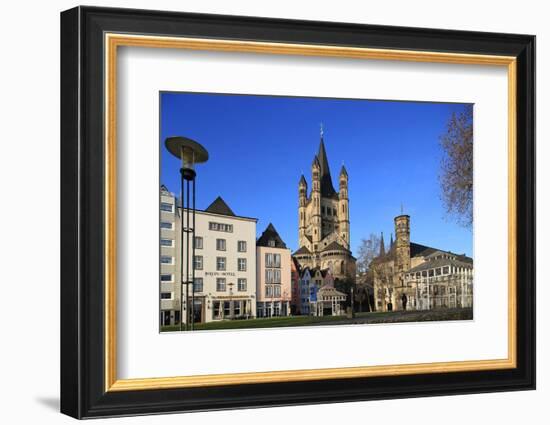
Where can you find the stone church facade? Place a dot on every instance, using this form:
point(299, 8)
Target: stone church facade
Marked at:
point(323, 217)
point(411, 276)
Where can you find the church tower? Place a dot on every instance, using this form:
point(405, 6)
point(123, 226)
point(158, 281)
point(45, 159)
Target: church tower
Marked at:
point(402, 243)
point(323, 220)
point(316, 223)
point(302, 203)
point(343, 207)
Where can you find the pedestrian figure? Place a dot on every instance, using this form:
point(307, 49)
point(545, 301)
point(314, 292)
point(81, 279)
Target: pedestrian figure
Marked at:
point(404, 301)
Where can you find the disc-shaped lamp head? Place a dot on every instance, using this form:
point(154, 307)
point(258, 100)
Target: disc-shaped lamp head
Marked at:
point(189, 151)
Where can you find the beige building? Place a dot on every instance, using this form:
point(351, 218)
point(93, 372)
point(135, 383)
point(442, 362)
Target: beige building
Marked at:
point(273, 281)
point(412, 276)
point(225, 264)
point(323, 217)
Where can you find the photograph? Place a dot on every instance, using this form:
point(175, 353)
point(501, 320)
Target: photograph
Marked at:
point(282, 211)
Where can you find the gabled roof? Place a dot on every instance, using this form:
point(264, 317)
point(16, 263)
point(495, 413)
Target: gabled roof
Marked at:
point(305, 270)
point(270, 234)
point(323, 272)
point(335, 246)
point(302, 250)
point(220, 207)
point(330, 291)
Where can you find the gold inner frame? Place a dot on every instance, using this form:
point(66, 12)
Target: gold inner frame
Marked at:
point(113, 41)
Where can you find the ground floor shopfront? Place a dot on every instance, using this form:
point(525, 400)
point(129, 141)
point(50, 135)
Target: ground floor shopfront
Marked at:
point(273, 308)
point(207, 309)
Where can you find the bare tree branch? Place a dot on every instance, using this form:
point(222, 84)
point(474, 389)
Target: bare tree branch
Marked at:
point(457, 166)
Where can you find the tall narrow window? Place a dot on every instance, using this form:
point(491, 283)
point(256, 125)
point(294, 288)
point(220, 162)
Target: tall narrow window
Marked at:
point(220, 244)
point(198, 262)
point(198, 284)
point(198, 242)
point(220, 284)
point(241, 285)
point(241, 264)
point(241, 246)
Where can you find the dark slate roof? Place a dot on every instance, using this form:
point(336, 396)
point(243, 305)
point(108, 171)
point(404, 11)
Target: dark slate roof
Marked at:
point(303, 271)
point(270, 234)
point(302, 250)
point(316, 161)
point(327, 189)
point(418, 250)
point(220, 207)
point(303, 180)
point(314, 270)
point(343, 170)
point(335, 246)
point(440, 262)
point(464, 259)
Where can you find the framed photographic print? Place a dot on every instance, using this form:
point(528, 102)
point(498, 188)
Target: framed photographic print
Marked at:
point(261, 212)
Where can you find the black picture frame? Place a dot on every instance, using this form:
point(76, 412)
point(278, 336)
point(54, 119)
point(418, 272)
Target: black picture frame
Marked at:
point(83, 392)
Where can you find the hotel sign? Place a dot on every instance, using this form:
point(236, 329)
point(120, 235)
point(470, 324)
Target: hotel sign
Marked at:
point(219, 274)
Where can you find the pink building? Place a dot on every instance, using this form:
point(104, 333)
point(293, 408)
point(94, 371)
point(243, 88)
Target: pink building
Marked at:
point(273, 270)
point(295, 286)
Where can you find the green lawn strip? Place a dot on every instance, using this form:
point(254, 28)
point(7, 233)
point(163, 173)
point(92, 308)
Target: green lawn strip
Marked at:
point(363, 317)
point(273, 322)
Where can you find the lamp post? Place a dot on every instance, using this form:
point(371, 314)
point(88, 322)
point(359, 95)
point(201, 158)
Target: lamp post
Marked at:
point(190, 153)
point(231, 309)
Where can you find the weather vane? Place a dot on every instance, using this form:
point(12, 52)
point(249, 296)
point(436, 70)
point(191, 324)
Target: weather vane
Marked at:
point(322, 132)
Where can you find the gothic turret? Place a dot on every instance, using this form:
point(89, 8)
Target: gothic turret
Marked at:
point(343, 207)
point(302, 203)
point(382, 247)
point(316, 224)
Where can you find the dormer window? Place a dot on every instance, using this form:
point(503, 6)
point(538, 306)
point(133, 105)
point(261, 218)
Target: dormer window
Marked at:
point(271, 243)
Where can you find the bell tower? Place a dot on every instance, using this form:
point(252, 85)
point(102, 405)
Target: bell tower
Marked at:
point(402, 243)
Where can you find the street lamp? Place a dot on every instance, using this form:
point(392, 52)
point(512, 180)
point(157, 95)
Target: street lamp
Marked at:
point(190, 153)
point(231, 309)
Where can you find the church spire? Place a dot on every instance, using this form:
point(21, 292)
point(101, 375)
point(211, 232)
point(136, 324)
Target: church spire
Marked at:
point(327, 189)
point(391, 241)
point(382, 248)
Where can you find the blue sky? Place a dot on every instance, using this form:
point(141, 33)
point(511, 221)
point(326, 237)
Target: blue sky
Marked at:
point(259, 146)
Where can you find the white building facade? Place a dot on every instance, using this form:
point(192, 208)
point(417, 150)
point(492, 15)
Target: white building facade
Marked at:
point(225, 266)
